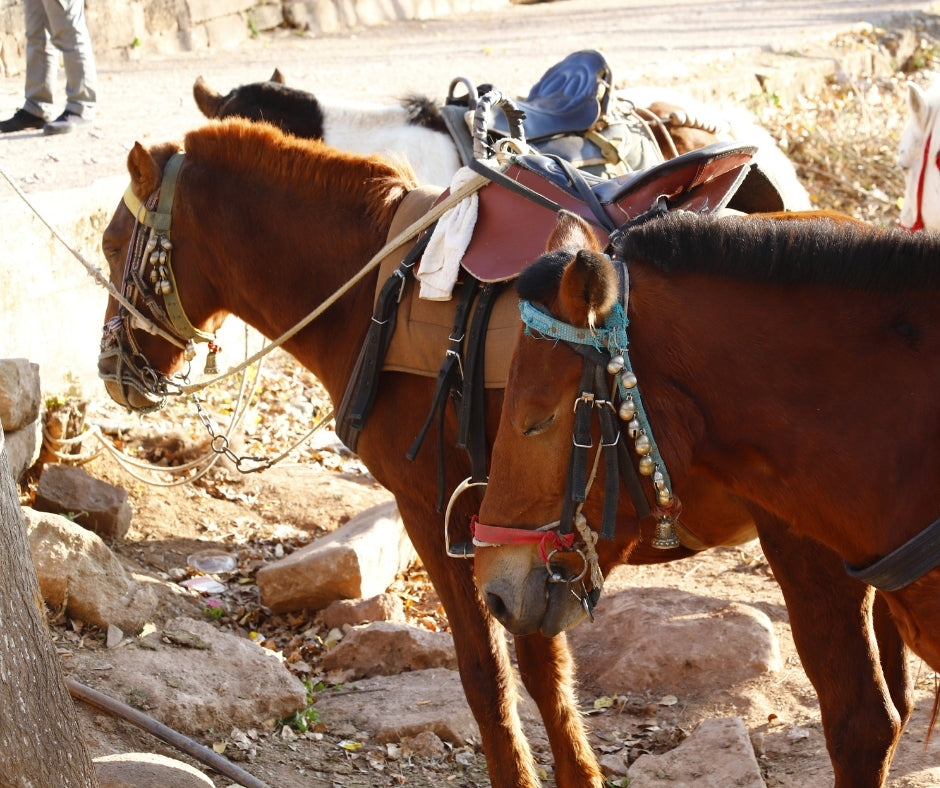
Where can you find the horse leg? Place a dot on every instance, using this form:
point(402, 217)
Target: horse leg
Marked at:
point(482, 654)
point(546, 667)
point(831, 621)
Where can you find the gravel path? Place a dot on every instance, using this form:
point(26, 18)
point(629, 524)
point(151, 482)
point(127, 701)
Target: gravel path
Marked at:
point(646, 43)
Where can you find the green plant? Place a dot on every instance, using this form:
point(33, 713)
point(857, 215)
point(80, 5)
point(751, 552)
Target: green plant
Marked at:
point(307, 717)
point(213, 610)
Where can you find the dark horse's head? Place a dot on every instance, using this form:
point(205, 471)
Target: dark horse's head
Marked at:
point(292, 110)
point(295, 111)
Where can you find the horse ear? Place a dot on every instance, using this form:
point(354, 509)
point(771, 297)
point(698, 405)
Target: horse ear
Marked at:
point(589, 288)
point(145, 175)
point(917, 101)
point(208, 101)
point(571, 233)
point(278, 77)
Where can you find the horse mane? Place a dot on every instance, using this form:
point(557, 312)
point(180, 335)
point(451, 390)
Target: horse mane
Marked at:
point(306, 166)
point(787, 253)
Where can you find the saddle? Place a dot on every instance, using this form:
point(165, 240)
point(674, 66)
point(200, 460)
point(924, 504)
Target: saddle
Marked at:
point(466, 342)
point(567, 113)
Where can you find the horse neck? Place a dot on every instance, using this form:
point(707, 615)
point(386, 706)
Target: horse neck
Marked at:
point(774, 392)
point(273, 280)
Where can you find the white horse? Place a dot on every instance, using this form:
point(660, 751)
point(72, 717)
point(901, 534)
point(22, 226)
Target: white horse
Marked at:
point(415, 130)
point(918, 154)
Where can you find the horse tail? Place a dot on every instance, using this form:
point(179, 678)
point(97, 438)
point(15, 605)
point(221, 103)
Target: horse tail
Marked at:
point(934, 713)
point(424, 112)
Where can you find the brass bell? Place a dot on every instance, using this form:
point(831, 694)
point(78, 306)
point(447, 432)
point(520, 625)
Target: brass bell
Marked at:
point(627, 409)
point(628, 379)
point(615, 364)
point(633, 428)
point(643, 444)
point(646, 465)
point(212, 366)
point(665, 537)
point(664, 497)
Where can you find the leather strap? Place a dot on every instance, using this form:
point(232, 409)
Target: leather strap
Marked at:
point(911, 561)
point(362, 389)
point(471, 419)
point(449, 380)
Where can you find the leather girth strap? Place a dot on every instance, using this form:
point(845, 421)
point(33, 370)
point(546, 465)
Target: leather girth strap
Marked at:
point(450, 380)
point(471, 423)
point(364, 383)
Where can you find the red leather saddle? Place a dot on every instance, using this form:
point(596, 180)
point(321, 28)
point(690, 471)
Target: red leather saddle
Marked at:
point(517, 212)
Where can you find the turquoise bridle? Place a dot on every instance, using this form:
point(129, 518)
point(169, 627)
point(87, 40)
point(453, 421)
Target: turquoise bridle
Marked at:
point(608, 345)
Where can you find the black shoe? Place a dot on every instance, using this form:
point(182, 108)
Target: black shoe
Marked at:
point(21, 121)
point(65, 123)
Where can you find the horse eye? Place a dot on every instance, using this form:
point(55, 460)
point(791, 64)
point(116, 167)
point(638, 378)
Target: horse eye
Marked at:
point(540, 427)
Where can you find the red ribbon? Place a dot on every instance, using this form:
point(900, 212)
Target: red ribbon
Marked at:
point(496, 535)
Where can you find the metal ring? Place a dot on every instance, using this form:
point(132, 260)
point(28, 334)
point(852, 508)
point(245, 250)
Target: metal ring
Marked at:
point(567, 580)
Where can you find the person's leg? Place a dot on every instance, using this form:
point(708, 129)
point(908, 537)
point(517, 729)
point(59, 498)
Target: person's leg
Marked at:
point(40, 60)
point(69, 34)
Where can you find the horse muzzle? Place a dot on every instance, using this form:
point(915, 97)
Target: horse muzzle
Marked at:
point(127, 378)
point(531, 602)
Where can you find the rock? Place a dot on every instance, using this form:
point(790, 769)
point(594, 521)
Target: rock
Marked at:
point(90, 502)
point(360, 559)
point(232, 682)
point(20, 395)
point(147, 770)
point(383, 649)
point(77, 570)
point(717, 754)
point(671, 641)
point(383, 607)
point(23, 446)
point(392, 708)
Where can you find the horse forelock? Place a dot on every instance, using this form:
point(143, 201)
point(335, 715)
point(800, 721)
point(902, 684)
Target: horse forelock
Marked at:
point(788, 253)
point(302, 166)
point(540, 280)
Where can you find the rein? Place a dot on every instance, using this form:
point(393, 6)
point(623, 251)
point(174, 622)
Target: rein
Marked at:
point(919, 219)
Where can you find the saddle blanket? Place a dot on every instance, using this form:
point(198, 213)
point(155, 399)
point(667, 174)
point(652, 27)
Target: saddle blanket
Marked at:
point(420, 340)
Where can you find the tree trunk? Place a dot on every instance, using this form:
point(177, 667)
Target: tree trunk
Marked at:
point(40, 741)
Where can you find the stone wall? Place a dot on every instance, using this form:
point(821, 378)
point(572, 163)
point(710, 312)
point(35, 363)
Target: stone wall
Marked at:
point(130, 29)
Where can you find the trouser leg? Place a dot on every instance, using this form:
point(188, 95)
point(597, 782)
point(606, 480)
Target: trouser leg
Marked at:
point(69, 34)
point(40, 61)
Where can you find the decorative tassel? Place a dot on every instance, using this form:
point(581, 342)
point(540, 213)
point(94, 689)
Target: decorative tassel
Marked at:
point(212, 367)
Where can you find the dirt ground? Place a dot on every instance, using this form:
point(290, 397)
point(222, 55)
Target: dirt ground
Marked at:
point(259, 517)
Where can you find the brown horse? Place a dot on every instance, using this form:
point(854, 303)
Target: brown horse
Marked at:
point(266, 226)
point(754, 343)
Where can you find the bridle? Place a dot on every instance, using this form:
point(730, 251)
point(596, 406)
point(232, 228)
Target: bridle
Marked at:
point(921, 180)
point(605, 354)
point(149, 283)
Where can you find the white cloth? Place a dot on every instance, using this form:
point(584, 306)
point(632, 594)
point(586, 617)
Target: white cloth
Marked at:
point(440, 263)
